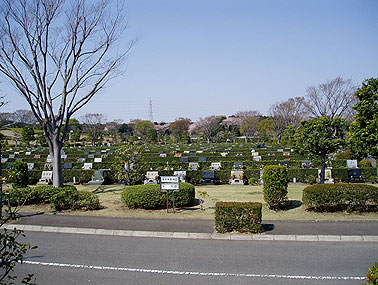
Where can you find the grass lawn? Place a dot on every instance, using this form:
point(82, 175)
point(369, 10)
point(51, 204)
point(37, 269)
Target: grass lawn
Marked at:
point(110, 198)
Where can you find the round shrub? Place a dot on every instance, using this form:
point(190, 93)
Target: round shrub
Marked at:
point(150, 197)
point(71, 199)
point(275, 186)
point(19, 174)
point(365, 163)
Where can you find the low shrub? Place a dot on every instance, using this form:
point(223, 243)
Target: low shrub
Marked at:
point(275, 186)
point(365, 163)
point(19, 174)
point(71, 199)
point(150, 196)
point(337, 197)
point(29, 196)
point(237, 216)
point(372, 275)
point(252, 181)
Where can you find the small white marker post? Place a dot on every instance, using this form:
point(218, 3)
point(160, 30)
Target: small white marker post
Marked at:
point(170, 183)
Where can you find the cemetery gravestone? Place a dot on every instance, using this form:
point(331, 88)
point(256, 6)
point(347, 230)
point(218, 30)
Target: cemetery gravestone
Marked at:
point(354, 176)
point(208, 178)
point(48, 166)
point(181, 175)
point(46, 178)
point(9, 166)
point(98, 159)
point(151, 177)
point(193, 165)
point(284, 163)
point(30, 166)
point(238, 165)
point(184, 159)
point(257, 158)
point(202, 159)
point(3, 160)
point(87, 166)
point(236, 177)
point(216, 165)
point(98, 178)
point(286, 153)
point(306, 164)
point(327, 176)
point(351, 163)
point(67, 166)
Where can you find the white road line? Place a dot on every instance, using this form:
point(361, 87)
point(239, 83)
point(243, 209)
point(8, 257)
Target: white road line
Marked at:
point(221, 274)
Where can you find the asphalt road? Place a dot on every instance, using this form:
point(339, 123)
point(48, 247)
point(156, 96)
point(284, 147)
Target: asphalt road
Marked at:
point(69, 259)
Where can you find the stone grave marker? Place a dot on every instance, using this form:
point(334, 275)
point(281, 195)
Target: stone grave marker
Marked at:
point(67, 166)
point(236, 177)
point(178, 155)
point(193, 165)
point(163, 155)
point(37, 156)
point(216, 165)
point(91, 156)
point(3, 160)
point(286, 153)
point(9, 166)
point(98, 159)
point(184, 159)
point(151, 177)
point(327, 176)
point(306, 164)
point(98, 177)
point(18, 159)
point(284, 163)
point(238, 165)
point(271, 153)
point(202, 159)
point(351, 163)
point(46, 178)
point(30, 166)
point(63, 156)
point(48, 165)
point(280, 150)
point(87, 166)
point(81, 160)
point(224, 154)
point(257, 158)
point(28, 153)
point(208, 178)
point(12, 156)
point(193, 154)
point(181, 175)
point(255, 154)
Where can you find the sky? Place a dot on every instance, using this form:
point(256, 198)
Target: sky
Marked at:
point(197, 58)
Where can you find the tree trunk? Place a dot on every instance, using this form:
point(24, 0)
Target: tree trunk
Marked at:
point(322, 168)
point(55, 153)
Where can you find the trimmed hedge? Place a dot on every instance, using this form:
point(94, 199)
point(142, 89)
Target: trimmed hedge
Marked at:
point(61, 198)
point(338, 197)
point(71, 199)
point(29, 196)
point(150, 197)
point(238, 216)
point(275, 186)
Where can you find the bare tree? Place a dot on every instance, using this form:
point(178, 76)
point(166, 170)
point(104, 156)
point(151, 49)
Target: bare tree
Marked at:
point(24, 117)
point(58, 55)
point(93, 124)
point(289, 113)
point(249, 122)
point(333, 99)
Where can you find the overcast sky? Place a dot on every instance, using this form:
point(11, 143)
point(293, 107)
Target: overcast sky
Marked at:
point(197, 58)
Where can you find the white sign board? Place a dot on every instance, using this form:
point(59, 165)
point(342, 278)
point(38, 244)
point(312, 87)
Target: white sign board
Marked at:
point(169, 179)
point(170, 186)
point(352, 163)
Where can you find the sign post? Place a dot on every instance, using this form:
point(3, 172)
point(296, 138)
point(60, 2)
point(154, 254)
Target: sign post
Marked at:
point(170, 183)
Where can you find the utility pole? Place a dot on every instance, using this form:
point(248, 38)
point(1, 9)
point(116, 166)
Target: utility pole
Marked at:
point(150, 116)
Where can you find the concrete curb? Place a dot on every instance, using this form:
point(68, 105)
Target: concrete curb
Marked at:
point(205, 236)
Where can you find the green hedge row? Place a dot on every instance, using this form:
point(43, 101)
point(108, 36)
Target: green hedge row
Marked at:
point(150, 196)
point(61, 198)
point(336, 197)
point(237, 216)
